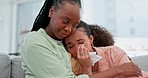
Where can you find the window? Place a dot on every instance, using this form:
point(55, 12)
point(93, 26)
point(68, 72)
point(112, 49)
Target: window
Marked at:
point(127, 20)
point(26, 14)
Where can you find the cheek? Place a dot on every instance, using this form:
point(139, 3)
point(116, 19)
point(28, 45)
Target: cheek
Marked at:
point(73, 53)
point(88, 46)
point(58, 23)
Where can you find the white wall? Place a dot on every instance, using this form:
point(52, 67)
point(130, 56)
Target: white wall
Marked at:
point(5, 25)
point(93, 11)
point(126, 19)
point(8, 21)
point(132, 18)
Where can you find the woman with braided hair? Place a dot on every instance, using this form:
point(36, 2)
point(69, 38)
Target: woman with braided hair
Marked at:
point(43, 54)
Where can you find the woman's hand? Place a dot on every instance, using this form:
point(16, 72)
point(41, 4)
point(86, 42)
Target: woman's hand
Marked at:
point(129, 69)
point(84, 59)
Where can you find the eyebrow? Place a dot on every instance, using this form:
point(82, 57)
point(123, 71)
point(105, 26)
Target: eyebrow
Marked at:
point(80, 39)
point(76, 40)
point(65, 17)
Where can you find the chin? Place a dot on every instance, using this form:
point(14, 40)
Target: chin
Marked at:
point(60, 37)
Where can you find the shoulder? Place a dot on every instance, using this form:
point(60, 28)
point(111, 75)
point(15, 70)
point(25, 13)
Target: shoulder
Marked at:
point(38, 36)
point(38, 39)
point(32, 38)
point(111, 49)
point(35, 35)
point(116, 50)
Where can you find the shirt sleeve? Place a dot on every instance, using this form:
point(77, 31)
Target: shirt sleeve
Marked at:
point(43, 63)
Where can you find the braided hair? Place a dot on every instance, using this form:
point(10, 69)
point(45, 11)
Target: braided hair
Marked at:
point(42, 20)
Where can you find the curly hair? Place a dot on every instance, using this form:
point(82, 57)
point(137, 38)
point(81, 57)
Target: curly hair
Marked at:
point(102, 37)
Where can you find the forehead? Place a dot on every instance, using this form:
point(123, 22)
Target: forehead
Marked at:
point(72, 10)
point(76, 35)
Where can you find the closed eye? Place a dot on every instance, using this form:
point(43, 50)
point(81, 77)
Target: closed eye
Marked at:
point(65, 20)
point(70, 46)
point(80, 41)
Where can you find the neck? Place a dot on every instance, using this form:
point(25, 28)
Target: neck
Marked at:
point(49, 32)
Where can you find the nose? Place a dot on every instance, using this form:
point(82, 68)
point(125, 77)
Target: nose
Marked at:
point(68, 29)
point(76, 47)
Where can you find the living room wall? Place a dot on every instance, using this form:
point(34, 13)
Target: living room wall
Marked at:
point(8, 24)
point(5, 25)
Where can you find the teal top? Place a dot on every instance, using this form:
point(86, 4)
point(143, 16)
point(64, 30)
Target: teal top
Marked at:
point(44, 57)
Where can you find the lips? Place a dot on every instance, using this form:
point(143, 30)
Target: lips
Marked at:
point(64, 34)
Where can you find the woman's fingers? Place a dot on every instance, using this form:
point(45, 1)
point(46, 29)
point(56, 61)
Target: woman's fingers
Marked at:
point(79, 51)
point(82, 52)
point(138, 70)
point(130, 69)
point(86, 52)
point(83, 56)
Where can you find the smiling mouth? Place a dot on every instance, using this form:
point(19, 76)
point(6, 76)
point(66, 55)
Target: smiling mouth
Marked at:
point(64, 34)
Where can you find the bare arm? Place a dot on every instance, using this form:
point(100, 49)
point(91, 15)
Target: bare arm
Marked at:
point(125, 69)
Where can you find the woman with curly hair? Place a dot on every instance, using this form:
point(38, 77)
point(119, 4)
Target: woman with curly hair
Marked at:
point(102, 37)
point(114, 62)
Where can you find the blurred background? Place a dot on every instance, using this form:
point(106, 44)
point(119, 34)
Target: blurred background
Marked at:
point(127, 20)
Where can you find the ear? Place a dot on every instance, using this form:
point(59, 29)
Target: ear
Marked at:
point(91, 38)
point(51, 11)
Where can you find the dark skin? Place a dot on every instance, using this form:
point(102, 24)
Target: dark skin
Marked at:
point(63, 20)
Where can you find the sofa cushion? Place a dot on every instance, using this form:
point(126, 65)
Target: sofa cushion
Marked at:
point(5, 66)
point(141, 61)
point(16, 66)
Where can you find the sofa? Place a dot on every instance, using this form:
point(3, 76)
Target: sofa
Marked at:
point(11, 66)
point(142, 61)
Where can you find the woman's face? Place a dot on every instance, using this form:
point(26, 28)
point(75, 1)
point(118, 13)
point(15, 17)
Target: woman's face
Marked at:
point(63, 20)
point(76, 38)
